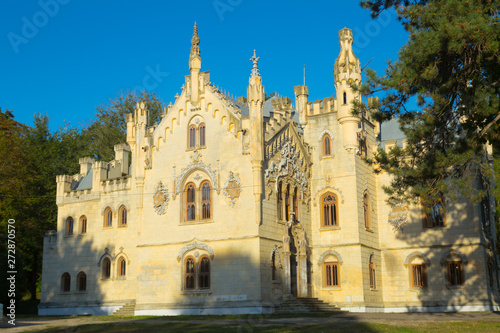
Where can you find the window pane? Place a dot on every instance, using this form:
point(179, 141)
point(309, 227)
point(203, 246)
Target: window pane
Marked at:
point(192, 137)
point(202, 135)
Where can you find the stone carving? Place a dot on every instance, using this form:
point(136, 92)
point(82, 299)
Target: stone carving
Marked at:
point(289, 165)
point(195, 245)
point(196, 163)
point(327, 253)
point(451, 253)
point(414, 254)
point(276, 254)
point(232, 188)
point(398, 217)
point(160, 199)
point(329, 187)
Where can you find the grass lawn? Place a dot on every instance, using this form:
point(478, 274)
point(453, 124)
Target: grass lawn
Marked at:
point(236, 324)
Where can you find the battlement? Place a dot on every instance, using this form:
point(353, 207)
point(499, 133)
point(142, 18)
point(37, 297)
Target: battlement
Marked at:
point(321, 106)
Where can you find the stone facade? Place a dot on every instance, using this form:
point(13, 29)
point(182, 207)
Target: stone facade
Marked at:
point(229, 205)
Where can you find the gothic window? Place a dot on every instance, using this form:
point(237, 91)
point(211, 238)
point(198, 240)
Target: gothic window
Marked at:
point(371, 267)
point(296, 203)
point(122, 215)
point(81, 281)
point(202, 135)
point(366, 211)
point(280, 202)
point(329, 210)
point(204, 274)
point(122, 267)
point(65, 282)
point(344, 95)
point(418, 275)
point(106, 268)
point(273, 266)
point(455, 273)
point(287, 203)
point(327, 149)
point(83, 224)
point(190, 202)
point(192, 136)
point(436, 216)
point(108, 217)
point(189, 274)
point(205, 201)
point(69, 226)
point(331, 274)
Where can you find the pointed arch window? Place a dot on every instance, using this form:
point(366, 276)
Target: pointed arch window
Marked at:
point(327, 149)
point(273, 266)
point(280, 201)
point(122, 272)
point(329, 210)
point(69, 226)
point(296, 203)
point(108, 217)
point(192, 136)
point(202, 135)
point(287, 203)
point(122, 216)
point(366, 211)
point(206, 201)
point(106, 268)
point(189, 274)
point(371, 268)
point(83, 224)
point(81, 280)
point(65, 282)
point(204, 273)
point(190, 202)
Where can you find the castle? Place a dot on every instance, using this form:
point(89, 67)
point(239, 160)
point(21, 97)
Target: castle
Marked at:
point(230, 206)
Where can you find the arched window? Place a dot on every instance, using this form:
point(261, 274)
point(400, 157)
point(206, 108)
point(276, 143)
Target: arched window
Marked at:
point(81, 281)
point(65, 282)
point(122, 215)
point(192, 136)
point(189, 274)
point(331, 274)
point(106, 268)
point(190, 202)
point(273, 266)
point(287, 203)
point(455, 273)
point(122, 267)
point(329, 210)
point(204, 273)
point(202, 135)
point(205, 201)
point(296, 203)
point(280, 202)
point(366, 211)
point(371, 268)
point(108, 217)
point(344, 95)
point(327, 150)
point(83, 224)
point(69, 226)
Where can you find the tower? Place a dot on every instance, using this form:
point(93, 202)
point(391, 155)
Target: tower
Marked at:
point(347, 70)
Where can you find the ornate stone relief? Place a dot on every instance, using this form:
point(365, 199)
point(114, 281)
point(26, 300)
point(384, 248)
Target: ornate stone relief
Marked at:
point(275, 252)
point(232, 188)
point(196, 163)
point(160, 199)
point(398, 217)
point(329, 187)
point(195, 245)
point(288, 165)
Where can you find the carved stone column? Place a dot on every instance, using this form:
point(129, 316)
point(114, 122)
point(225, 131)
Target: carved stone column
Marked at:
point(286, 262)
point(302, 276)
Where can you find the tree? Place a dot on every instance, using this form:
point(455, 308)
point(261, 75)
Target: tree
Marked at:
point(109, 127)
point(451, 67)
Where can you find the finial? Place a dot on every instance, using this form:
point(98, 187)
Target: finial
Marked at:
point(195, 42)
point(255, 67)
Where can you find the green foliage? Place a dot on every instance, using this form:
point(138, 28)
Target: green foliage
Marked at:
point(451, 67)
point(109, 127)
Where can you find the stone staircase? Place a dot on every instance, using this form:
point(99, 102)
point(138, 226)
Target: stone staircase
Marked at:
point(304, 305)
point(125, 311)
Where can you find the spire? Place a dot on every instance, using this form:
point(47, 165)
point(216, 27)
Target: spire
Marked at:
point(255, 67)
point(195, 42)
point(347, 66)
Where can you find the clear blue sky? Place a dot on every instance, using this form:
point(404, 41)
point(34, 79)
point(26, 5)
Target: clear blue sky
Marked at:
point(63, 57)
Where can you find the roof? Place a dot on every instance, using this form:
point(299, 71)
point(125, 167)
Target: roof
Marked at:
point(390, 130)
point(85, 183)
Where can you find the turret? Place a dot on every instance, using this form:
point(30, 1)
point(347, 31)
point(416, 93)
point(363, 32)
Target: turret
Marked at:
point(255, 99)
point(301, 94)
point(195, 66)
point(347, 70)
